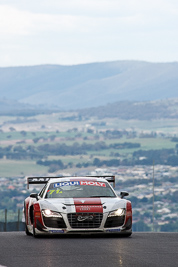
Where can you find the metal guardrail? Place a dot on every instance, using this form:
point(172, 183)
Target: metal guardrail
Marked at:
point(11, 221)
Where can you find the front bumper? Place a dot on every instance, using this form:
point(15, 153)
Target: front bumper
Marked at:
point(98, 224)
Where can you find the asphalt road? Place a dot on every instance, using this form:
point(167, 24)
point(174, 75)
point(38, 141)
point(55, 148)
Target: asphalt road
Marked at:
point(140, 250)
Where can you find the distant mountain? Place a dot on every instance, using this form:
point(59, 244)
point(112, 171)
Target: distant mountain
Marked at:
point(89, 85)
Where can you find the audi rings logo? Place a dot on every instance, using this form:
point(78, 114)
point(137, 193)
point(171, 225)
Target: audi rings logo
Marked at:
point(81, 218)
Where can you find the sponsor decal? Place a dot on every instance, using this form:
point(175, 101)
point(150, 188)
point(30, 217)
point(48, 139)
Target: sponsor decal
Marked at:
point(66, 184)
point(56, 231)
point(57, 191)
point(38, 179)
point(82, 218)
point(129, 213)
point(89, 208)
point(88, 205)
point(84, 208)
point(91, 183)
point(113, 230)
point(97, 208)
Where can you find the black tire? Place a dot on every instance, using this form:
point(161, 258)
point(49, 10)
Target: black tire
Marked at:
point(127, 235)
point(26, 230)
point(34, 232)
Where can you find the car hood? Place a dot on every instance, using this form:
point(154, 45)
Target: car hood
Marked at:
point(72, 205)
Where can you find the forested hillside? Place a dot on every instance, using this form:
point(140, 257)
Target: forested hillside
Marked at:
point(128, 110)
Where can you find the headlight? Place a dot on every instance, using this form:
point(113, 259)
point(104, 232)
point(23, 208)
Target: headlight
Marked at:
point(118, 212)
point(50, 213)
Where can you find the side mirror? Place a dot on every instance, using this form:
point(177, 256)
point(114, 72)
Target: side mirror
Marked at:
point(34, 195)
point(123, 194)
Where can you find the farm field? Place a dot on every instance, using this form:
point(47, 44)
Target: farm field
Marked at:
point(13, 168)
point(56, 129)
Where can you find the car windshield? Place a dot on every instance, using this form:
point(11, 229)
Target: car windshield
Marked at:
point(83, 189)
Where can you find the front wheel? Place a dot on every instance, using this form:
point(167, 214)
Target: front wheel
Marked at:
point(127, 235)
point(34, 232)
point(26, 230)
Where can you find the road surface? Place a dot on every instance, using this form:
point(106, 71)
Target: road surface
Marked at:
point(140, 250)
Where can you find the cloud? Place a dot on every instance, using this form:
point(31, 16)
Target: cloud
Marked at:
point(17, 22)
point(76, 31)
point(13, 21)
point(86, 15)
point(108, 8)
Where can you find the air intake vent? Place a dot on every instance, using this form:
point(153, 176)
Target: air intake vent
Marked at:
point(85, 220)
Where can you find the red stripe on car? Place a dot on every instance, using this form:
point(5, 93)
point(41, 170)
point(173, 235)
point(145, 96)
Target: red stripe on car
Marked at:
point(88, 205)
point(37, 214)
point(89, 208)
point(128, 212)
point(26, 209)
point(87, 201)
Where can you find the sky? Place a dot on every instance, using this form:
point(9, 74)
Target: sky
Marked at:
point(70, 32)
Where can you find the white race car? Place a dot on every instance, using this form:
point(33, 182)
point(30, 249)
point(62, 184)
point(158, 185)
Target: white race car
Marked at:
point(77, 205)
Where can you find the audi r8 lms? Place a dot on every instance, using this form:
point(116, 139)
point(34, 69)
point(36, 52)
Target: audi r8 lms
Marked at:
point(77, 205)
